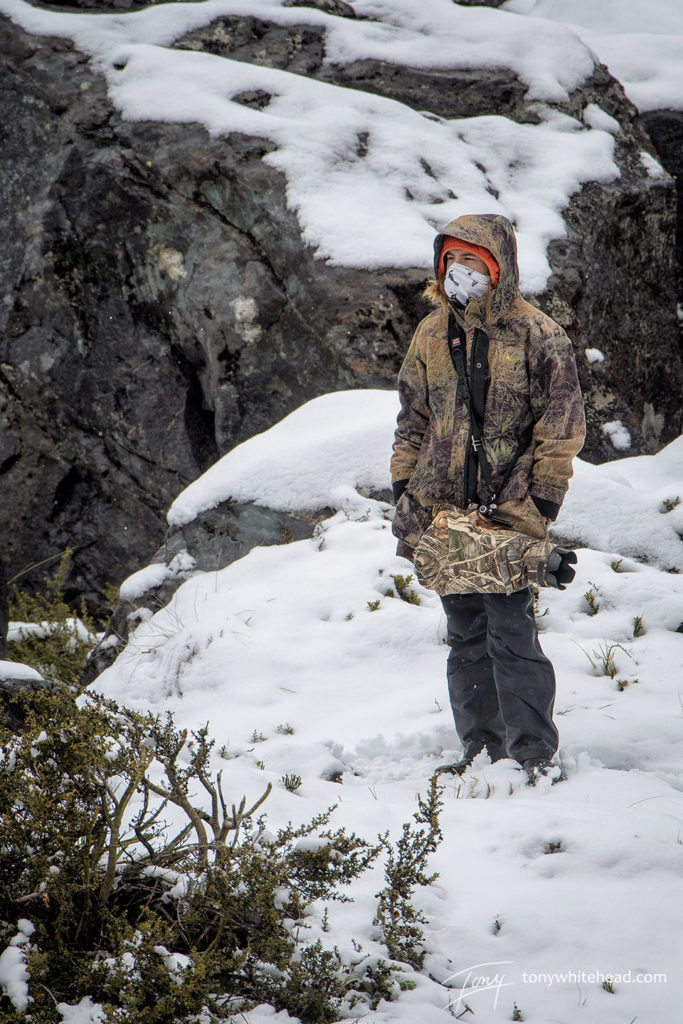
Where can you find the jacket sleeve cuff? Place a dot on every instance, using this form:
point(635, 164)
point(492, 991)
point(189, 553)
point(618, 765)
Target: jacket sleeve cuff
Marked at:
point(549, 509)
point(398, 488)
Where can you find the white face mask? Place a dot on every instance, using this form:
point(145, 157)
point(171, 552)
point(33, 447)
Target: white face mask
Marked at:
point(462, 283)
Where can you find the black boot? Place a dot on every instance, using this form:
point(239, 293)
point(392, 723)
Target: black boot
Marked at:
point(535, 767)
point(461, 766)
point(457, 768)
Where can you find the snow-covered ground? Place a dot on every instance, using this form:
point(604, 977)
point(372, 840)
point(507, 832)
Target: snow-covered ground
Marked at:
point(640, 42)
point(303, 665)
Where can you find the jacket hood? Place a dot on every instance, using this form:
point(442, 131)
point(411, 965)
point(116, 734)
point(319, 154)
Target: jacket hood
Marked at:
point(496, 234)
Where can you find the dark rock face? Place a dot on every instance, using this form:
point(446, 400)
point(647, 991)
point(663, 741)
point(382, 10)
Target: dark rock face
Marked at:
point(4, 613)
point(337, 7)
point(13, 694)
point(101, 6)
point(614, 288)
point(665, 128)
point(458, 92)
point(158, 305)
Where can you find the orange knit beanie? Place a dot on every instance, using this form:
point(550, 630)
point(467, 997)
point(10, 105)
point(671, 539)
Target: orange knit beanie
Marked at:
point(477, 250)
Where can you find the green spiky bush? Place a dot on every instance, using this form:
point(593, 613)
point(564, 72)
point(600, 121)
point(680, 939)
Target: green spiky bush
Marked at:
point(406, 868)
point(154, 894)
point(55, 642)
point(146, 888)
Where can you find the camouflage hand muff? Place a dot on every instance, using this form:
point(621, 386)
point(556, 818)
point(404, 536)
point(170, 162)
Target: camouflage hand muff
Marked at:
point(464, 553)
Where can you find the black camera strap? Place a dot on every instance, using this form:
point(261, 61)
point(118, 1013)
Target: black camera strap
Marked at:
point(456, 347)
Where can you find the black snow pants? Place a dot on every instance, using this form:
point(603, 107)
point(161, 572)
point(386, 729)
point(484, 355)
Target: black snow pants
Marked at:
point(500, 683)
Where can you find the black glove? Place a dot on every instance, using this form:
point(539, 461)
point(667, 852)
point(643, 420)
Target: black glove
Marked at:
point(548, 509)
point(398, 489)
point(558, 571)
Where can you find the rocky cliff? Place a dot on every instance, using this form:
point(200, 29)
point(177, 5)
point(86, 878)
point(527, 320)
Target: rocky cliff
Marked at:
point(159, 305)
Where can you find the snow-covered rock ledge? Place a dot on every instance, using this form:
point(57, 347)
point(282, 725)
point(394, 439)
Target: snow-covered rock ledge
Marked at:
point(332, 456)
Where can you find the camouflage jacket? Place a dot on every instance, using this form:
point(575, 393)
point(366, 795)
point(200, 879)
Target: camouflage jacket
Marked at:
point(526, 379)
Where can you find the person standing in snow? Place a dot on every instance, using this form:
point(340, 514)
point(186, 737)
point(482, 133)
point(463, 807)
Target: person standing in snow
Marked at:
point(526, 402)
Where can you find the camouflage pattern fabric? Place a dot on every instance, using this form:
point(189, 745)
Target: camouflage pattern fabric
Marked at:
point(463, 553)
point(532, 382)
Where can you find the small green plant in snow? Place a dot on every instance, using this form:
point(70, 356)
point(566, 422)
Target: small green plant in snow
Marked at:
point(404, 589)
point(591, 599)
point(537, 605)
point(602, 659)
point(406, 868)
point(292, 782)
